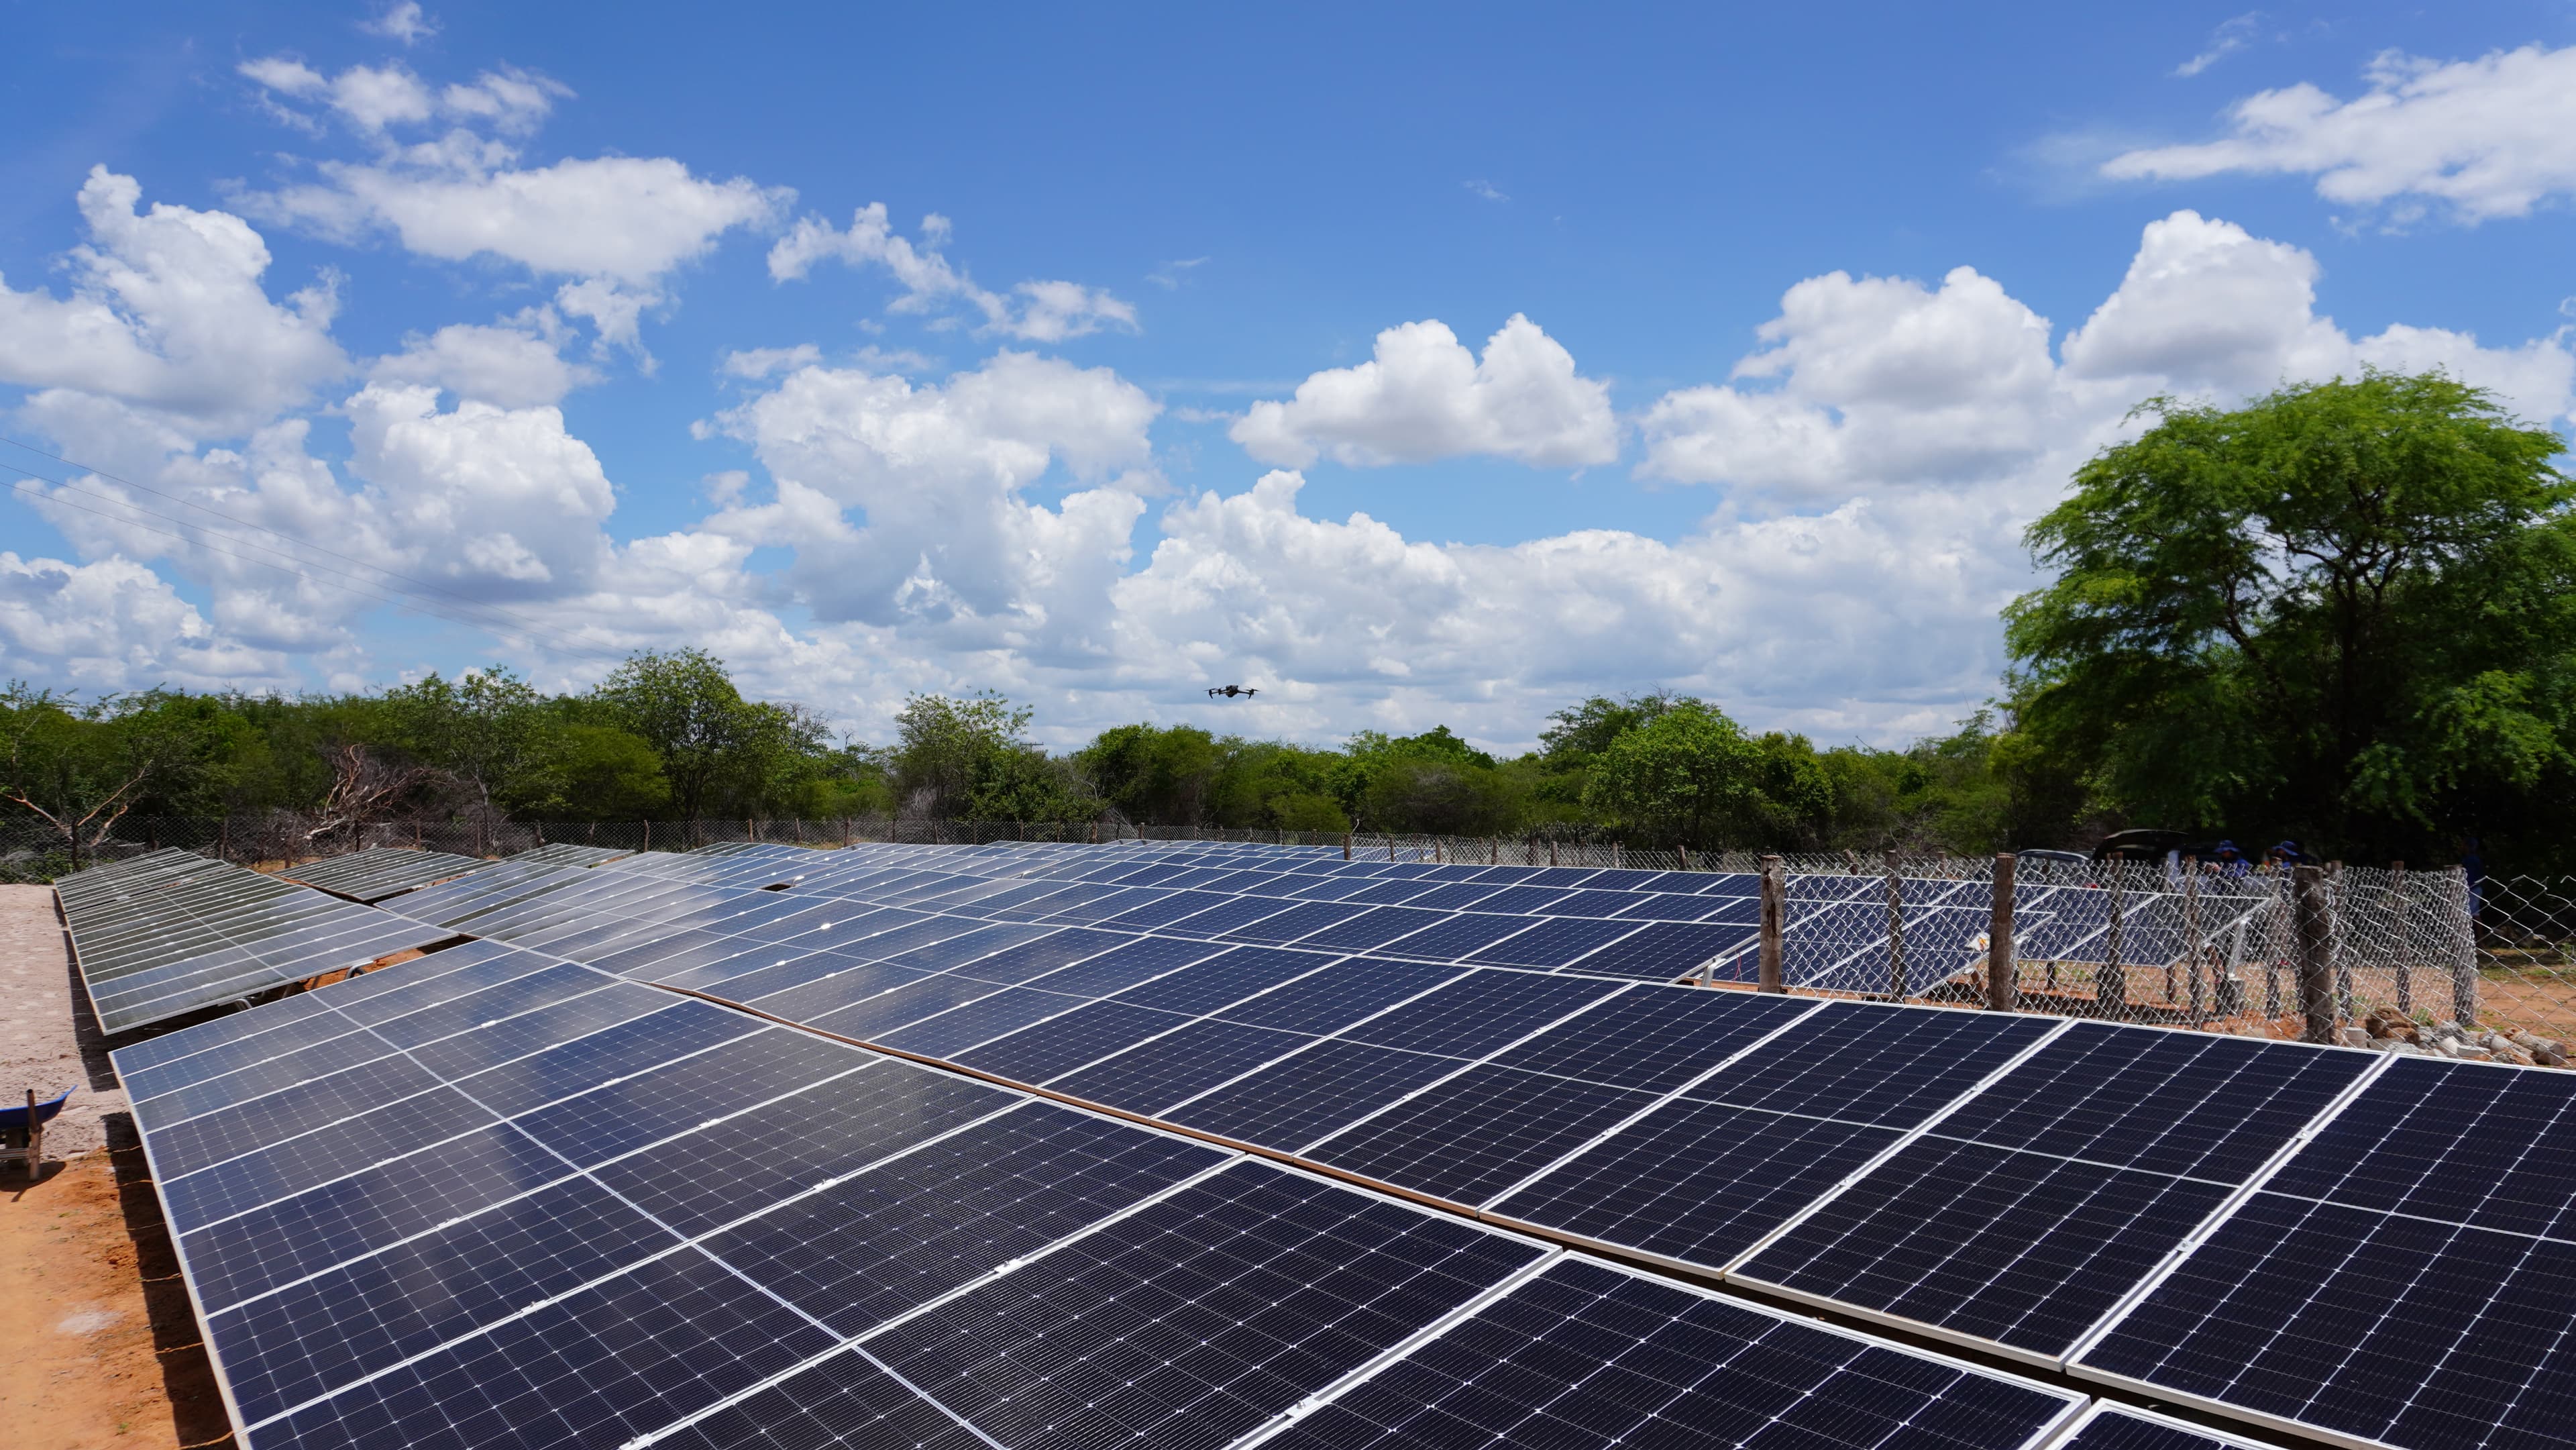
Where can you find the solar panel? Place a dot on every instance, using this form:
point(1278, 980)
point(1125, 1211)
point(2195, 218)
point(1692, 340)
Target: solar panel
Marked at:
point(171, 933)
point(1587, 1356)
point(2030, 1212)
point(2358, 1293)
point(1199, 1316)
point(374, 874)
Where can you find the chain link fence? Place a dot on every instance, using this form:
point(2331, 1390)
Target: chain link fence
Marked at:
point(2403, 961)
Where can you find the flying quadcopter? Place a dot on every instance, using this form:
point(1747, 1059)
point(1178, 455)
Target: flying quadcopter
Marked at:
point(1230, 691)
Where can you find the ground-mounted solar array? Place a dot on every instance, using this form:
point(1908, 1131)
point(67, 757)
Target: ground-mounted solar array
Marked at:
point(2268, 1230)
point(165, 934)
point(491, 1197)
point(379, 872)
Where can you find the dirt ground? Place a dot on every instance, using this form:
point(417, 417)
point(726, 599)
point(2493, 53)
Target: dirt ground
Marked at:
point(98, 1346)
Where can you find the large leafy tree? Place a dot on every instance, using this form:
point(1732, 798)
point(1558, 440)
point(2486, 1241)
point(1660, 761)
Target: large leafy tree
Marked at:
point(715, 747)
point(487, 727)
point(2345, 611)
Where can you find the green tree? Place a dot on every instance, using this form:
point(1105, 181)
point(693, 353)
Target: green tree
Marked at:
point(2345, 611)
point(1688, 775)
point(969, 758)
point(80, 768)
point(1434, 782)
point(1156, 775)
point(711, 742)
point(488, 728)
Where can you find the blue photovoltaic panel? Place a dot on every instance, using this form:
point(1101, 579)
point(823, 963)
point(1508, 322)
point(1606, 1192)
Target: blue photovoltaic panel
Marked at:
point(1060, 1044)
point(779, 1148)
point(1589, 1357)
point(1479, 1013)
point(1197, 1318)
point(1211, 984)
point(1371, 929)
point(1552, 943)
point(1665, 951)
point(1120, 967)
point(1471, 1137)
point(1655, 1039)
point(2363, 1292)
point(1300, 1098)
point(1233, 914)
point(1294, 922)
point(1457, 937)
point(2033, 1210)
point(599, 1367)
point(842, 1400)
point(922, 1223)
point(2116, 1427)
point(283, 1349)
point(984, 1018)
point(1696, 1182)
point(1339, 995)
point(1164, 1070)
point(1890, 1066)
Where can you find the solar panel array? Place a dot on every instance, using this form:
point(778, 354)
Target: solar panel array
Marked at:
point(381, 871)
point(571, 853)
point(491, 1197)
point(161, 935)
point(2270, 1230)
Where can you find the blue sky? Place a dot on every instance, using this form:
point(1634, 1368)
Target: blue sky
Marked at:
point(1438, 367)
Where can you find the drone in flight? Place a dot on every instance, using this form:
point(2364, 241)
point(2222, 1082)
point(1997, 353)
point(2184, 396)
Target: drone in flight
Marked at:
point(1231, 691)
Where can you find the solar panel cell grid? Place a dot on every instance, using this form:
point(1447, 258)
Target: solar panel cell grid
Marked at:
point(1479, 1013)
point(1469, 1138)
point(600, 1366)
point(910, 1229)
point(1885, 1065)
point(1198, 1317)
point(1301, 1098)
point(1587, 1357)
point(1696, 1182)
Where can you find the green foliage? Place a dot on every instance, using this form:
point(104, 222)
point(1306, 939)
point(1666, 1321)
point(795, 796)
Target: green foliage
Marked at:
point(717, 749)
point(2344, 611)
point(488, 728)
point(970, 758)
point(80, 768)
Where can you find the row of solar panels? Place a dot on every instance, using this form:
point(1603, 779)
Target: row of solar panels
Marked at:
point(1615, 922)
point(161, 935)
point(490, 1198)
point(2209, 1216)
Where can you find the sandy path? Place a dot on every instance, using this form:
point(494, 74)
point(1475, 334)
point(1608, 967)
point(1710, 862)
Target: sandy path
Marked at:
point(98, 1346)
point(44, 1044)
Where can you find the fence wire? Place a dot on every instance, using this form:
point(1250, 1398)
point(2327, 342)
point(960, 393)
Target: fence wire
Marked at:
point(2403, 961)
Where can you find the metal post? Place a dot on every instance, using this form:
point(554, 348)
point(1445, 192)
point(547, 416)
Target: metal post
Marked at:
point(1775, 891)
point(2337, 944)
point(1896, 983)
point(2111, 982)
point(2281, 917)
point(2397, 953)
point(2464, 956)
point(2002, 972)
point(2316, 955)
point(2191, 947)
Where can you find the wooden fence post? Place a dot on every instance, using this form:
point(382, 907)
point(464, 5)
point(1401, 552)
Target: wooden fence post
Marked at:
point(2002, 973)
point(1896, 983)
point(1775, 891)
point(1685, 850)
point(2316, 954)
point(1551, 850)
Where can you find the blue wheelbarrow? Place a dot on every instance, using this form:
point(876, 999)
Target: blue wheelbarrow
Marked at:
point(22, 1130)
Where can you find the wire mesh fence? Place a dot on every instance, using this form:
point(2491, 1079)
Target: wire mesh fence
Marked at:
point(2404, 961)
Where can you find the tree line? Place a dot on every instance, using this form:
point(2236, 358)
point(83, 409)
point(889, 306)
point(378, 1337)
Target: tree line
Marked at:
point(2343, 613)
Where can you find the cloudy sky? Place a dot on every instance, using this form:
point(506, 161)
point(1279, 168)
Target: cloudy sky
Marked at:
point(1419, 366)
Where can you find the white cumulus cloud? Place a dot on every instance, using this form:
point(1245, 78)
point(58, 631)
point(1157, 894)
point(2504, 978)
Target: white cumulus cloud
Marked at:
point(1031, 311)
point(1422, 396)
point(2490, 137)
point(167, 312)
